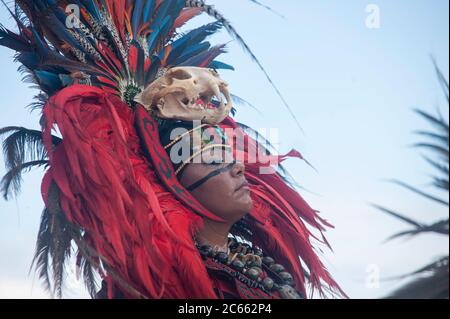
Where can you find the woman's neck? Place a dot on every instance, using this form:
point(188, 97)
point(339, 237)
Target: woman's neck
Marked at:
point(213, 233)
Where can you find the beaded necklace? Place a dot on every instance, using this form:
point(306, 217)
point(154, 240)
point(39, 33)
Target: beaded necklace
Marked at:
point(252, 267)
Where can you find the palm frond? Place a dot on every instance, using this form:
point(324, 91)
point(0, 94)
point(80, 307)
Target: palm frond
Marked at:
point(421, 193)
point(441, 167)
point(439, 138)
point(441, 183)
point(398, 216)
point(441, 78)
point(440, 227)
point(431, 282)
point(440, 150)
point(438, 122)
point(442, 262)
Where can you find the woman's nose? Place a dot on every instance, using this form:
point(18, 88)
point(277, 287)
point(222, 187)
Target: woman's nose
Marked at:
point(238, 169)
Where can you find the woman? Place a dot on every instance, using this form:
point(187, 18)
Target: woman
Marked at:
point(151, 224)
point(213, 176)
point(236, 268)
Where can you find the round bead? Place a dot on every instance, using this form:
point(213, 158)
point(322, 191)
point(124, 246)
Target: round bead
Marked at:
point(288, 292)
point(258, 252)
point(222, 257)
point(238, 265)
point(268, 283)
point(256, 263)
point(268, 261)
point(206, 251)
point(277, 268)
point(254, 273)
point(286, 277)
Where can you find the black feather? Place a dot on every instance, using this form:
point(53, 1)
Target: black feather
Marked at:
point(13, 41)
point(12, 180)
point(41, 260)
point(153, 71)
point(267, 7)
point(23, 149)
point(23, 145)
point(54, 244)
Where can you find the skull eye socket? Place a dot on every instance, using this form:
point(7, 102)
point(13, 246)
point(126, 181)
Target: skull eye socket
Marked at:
point(181, 75)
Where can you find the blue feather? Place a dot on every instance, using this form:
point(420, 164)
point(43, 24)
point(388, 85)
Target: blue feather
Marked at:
point(192, 38)
point(50, 82)
point(104, 5)
point(92, 8)
point(161, 13)
point(167, 12)
point(220, 66)
point(41, 47)
point(199, 34)
point(192, 51)
point(57, 11)
point(199, 59)
point(149, 10)
point(28, 59)
point(66, 79)
point(13, 41)
point(38, 3)
point(53, 60)
point(155, 35)
point(167, 9)
point(137, 15)
point(61, 31)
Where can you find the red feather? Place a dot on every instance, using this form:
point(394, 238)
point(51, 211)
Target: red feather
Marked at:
point(186, 15)
point(138, 228)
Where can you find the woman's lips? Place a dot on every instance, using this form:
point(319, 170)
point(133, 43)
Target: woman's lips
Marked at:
point(243, 187)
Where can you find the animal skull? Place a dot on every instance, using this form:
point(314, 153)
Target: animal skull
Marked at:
point(185, 93)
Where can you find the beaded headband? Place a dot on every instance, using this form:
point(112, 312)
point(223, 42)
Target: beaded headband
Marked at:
point(201, 138)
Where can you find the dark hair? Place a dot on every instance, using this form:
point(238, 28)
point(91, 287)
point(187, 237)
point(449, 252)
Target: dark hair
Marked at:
point(165, 130)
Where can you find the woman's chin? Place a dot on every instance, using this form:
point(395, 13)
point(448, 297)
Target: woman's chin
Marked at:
point(247, 204)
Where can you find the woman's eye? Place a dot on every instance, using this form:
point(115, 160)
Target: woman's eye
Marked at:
point(215, 163)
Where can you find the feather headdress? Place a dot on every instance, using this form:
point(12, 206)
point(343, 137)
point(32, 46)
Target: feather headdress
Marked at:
point(107, 188)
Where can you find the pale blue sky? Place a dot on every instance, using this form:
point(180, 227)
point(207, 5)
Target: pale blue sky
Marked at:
point(353, 90)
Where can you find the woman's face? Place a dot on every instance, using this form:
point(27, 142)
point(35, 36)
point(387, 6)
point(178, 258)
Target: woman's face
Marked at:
point(220, 187)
